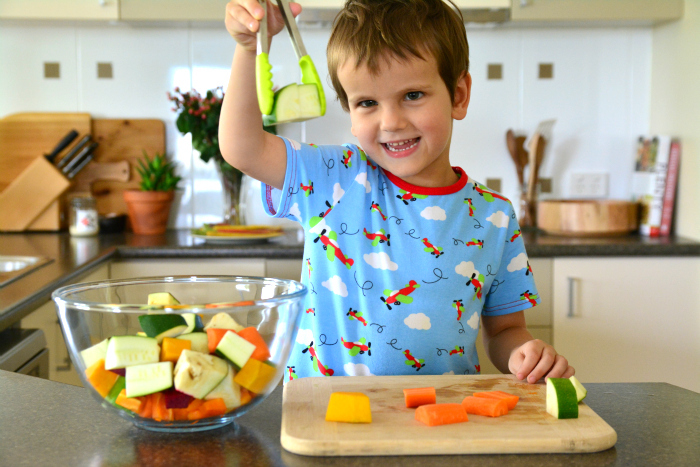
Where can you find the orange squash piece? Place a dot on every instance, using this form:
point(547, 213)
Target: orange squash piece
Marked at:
point(487, 406)
point(261, 352)
point(416, 397)
point(441, 414)
point(100, 379)
point(171, 349)
point(510, 399)
point(255, 375)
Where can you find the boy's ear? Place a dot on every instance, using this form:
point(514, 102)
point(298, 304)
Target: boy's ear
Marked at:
point(463, 92)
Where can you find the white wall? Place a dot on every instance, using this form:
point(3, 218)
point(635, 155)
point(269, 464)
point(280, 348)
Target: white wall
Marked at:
point(675, 106)
point(599, 94)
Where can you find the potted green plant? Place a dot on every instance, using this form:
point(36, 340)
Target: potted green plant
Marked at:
point(149, 207)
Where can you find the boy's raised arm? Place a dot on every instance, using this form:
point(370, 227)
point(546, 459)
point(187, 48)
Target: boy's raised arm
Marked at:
point(243, 142)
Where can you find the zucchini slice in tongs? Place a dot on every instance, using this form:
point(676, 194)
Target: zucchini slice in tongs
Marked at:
point(294, 102)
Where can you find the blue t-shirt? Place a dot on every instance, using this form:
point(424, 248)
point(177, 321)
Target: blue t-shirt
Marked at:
point(398, 275)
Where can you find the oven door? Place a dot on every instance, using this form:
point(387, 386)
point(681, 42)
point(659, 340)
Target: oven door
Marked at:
point(24, 351)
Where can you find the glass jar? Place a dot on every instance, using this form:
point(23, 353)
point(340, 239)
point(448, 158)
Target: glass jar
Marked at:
point(83, 216)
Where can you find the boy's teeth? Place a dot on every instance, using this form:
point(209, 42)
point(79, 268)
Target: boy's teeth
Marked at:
point(401, 145)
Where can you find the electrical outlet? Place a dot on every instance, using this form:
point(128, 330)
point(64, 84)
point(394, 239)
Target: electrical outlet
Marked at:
point(589, 185)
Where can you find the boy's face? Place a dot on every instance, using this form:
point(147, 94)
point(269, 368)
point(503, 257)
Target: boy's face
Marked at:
point(402, 116)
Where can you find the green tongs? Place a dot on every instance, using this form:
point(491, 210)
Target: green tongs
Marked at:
point(263, 68)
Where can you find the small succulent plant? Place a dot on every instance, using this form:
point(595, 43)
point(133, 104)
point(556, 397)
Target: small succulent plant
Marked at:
point(157, 174)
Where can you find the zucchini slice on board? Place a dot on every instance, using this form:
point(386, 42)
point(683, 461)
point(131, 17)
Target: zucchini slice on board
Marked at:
point(161, 326)
point(580, 390)
point(561, 398)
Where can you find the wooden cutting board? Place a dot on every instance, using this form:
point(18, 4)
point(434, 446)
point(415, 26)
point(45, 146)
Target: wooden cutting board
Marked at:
point(123, 140)
point(26, 136)
point(394, 431)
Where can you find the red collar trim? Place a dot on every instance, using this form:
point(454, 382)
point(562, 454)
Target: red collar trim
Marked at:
point(422, 190)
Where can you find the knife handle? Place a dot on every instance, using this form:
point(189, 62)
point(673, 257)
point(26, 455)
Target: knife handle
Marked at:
point(78, 159)
point(74, 150)
point(63, 144)
point(80, 166)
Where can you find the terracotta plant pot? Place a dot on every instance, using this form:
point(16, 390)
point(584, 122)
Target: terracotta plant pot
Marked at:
point(148, 210)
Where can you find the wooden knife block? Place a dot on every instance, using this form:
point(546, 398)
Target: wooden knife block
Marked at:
point(32, 195)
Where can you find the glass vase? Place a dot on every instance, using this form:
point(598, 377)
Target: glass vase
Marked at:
point(231, 187)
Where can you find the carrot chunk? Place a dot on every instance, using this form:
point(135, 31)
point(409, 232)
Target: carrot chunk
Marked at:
point(487, 406)
point(416, 397)
point(261, 352)
point(510, 399)
point(441, 414)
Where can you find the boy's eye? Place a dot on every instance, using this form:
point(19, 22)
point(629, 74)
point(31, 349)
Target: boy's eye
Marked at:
point(414, 95)
point(368, 103)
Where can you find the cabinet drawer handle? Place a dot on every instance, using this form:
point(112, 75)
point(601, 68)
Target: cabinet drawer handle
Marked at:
point(572, 297)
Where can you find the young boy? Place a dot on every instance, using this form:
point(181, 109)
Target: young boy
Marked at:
point(404, 254)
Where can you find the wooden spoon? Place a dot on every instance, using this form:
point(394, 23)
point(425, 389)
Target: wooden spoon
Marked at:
point(514, 154)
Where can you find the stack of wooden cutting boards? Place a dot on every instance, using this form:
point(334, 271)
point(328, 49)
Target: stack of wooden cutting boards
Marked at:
point(24, 137)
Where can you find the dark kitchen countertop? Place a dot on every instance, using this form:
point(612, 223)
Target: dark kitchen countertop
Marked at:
point(45, 423)
point(74, 257)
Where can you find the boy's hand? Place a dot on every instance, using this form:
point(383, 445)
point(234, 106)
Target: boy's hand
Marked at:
point(536, 359)
point(243, 20)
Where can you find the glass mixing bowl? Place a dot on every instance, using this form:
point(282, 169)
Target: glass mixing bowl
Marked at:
point(265, 312)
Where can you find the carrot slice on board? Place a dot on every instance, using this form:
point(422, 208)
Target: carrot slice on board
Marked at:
point(441, 414)
point(416, 397)
point(510, 399)
point(487, 406)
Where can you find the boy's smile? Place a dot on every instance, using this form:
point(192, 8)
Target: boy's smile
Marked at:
point(402, 116)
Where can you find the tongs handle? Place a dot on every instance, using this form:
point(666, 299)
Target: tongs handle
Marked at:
point(263, 69)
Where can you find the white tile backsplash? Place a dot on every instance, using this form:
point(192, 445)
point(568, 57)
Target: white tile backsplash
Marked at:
point(599, 94)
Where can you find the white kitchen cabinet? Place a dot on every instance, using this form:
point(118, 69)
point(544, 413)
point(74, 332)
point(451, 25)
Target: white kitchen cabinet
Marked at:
point(60, 9)
point(126, 269)
point(642, 12)
point(173, 10)
point(538, 319)
point(629, 319)
point(61, 368)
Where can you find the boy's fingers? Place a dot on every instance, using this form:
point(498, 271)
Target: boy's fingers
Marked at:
point(543, 366)
point(559, 369)
point(529, 362)
point(243, 21)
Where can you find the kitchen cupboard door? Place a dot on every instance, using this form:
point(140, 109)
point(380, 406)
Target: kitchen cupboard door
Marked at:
point(128, 269)
point(173, 10)
point(61, 367)
point(637, 12)
point(60, 9)
point(629, 319)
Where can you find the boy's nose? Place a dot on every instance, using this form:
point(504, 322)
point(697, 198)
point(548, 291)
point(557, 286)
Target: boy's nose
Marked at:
point(392, 120)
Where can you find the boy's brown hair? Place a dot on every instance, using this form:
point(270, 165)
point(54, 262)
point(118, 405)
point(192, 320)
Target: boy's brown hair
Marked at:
point(374, 30)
